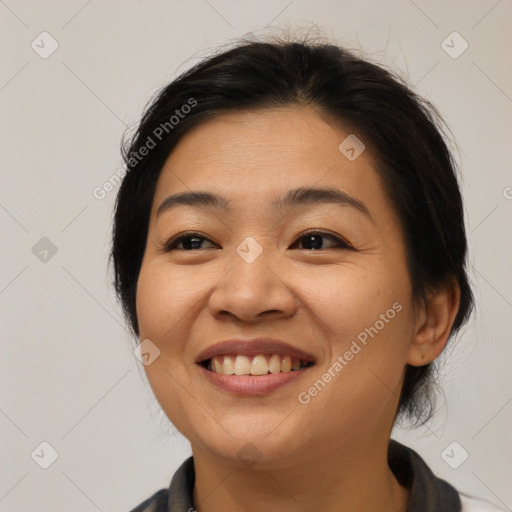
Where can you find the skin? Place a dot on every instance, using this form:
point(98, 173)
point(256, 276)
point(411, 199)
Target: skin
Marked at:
point(331, 453)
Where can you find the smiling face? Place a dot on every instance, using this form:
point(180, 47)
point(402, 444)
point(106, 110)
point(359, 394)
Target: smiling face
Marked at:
point(324, 272)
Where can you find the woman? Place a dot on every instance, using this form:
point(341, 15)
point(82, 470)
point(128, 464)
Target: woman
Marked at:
point(289, 247)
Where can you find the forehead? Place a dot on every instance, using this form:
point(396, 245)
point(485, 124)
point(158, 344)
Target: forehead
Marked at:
point(252, 157)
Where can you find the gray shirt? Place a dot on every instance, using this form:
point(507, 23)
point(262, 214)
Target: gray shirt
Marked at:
point(427, 492)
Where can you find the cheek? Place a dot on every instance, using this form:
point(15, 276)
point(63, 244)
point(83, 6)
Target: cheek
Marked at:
point(360, 384)
point(350, 299)
point(368, 317)
point(149, 307)
point(161, 312)
point(161, 303)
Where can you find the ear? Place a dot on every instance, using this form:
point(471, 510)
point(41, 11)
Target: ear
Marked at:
point(433, 325)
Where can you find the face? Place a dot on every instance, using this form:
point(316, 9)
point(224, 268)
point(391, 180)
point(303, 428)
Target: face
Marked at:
point(317, 281)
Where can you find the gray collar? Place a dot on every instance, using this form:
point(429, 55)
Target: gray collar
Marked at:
point(428, 493)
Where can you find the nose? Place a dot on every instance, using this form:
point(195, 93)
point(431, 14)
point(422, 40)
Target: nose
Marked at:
point(252, 291)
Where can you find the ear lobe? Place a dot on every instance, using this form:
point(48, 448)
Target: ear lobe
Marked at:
point(434, 324)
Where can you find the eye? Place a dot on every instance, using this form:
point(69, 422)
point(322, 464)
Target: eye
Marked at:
point(313, 241)
point(189, 241)
point(310, 241)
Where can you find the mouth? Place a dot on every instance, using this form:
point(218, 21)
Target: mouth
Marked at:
point(254, 367)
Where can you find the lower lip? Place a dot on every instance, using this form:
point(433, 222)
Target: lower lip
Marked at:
point(252, 385)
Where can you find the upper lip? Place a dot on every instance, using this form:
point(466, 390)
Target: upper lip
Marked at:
point(253, 347)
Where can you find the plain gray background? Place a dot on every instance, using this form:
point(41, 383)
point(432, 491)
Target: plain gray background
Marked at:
point(68, 374)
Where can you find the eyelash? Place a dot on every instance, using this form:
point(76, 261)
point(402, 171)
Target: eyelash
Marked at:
point(171, 244)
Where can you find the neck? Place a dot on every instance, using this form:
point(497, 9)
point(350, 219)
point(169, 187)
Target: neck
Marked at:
point(354, 477)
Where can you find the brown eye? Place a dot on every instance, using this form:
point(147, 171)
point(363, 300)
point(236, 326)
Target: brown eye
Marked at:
point(189, 242)
point(315, 241)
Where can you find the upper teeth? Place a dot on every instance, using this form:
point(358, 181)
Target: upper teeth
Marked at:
point(257, 365)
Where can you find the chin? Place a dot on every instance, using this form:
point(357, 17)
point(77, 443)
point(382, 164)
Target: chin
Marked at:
point(252, 440)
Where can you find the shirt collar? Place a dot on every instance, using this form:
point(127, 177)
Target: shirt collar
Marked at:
point(428, 493)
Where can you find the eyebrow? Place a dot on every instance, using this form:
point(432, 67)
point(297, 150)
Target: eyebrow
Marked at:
point(299, 197)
